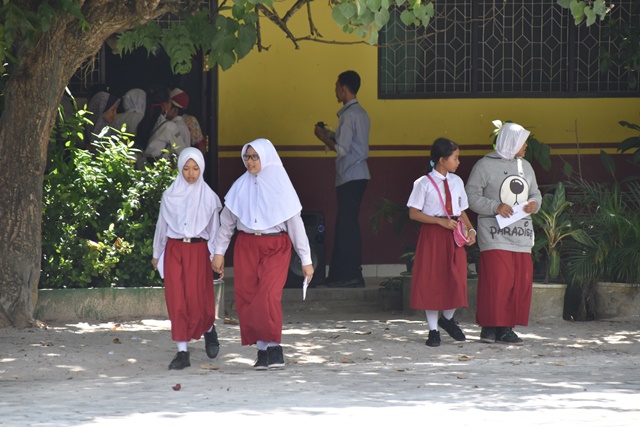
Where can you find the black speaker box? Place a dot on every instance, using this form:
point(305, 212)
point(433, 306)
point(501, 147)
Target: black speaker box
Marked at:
point(314, 225)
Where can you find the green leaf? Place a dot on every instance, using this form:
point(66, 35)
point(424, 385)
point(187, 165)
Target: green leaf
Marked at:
point(564, 3)
point(373, 5)
point(348, 10)
point(407, 17)
point(567, 169)
point(374, 39)
point(600, 8)
point(246, 40)
point(382, 18)
point(608, 162)
point(431, 11)
point(339, 17)
point(591, 15)
point(577, 10)
point(226, 60)
point(420, 11)
point(554, 264)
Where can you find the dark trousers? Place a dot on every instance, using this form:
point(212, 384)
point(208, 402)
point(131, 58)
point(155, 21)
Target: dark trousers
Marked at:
point(346, 258)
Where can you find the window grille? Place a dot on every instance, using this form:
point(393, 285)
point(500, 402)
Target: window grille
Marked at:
point(479, 49)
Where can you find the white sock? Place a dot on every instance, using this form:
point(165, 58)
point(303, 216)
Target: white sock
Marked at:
point(182, 345)
point(432, 319)
point(211, 328)
point(273, 344)
point(262, 345)
point(448, 314)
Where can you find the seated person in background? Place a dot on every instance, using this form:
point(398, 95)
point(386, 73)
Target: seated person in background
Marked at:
point(103, 107)
point(197, 139)
point(170, 132)
point(134, 103)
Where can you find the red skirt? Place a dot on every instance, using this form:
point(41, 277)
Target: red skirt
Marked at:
point(439, 274)
point(188, 289)
point(505, 283)
point(261, 264)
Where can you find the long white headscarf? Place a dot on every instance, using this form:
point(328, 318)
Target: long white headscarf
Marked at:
point(511, 138)
point(266, 199)
point(135, 100)
point(187, 208)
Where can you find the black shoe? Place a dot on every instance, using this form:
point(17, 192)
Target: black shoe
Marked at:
point(262, 361)
point(276, 358)
point(507, 336)
point(180, 361)
point(488, 334)
point(211, 344)
point(452, 328)
point(434, 339)
point(351, 283)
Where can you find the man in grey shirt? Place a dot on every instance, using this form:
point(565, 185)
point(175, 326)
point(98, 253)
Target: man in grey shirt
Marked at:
point(351, 143)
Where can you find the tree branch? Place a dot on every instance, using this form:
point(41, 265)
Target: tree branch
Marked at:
point(273, 17)
point(312, 28)
point(298, 4)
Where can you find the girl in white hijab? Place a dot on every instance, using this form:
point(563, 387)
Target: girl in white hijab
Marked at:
point(499, 182)
point(134, 103)
point(264, 207)
point(182, 252)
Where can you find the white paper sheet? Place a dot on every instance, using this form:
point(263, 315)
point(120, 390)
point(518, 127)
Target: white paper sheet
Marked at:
point(518, 214)
point(305, 285)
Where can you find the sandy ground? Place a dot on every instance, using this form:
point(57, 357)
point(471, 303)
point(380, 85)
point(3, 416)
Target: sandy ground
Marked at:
point(343, 368)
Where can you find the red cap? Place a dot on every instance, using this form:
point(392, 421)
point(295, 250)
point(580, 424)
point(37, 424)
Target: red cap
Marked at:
point(179, 98)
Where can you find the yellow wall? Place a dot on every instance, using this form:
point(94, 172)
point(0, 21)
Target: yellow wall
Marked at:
point(281, 93)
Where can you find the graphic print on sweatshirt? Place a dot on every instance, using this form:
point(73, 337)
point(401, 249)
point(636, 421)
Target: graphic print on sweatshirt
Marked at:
point(514, 190)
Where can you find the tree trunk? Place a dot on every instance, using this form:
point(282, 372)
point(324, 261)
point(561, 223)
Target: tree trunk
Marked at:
point(32, 95)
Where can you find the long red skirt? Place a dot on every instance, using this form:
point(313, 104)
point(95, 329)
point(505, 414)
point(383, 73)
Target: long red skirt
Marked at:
point(261, 264)
point(439, 274)
point(505, 283)
point(188, 289)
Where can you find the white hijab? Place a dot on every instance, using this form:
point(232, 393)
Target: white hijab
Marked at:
point(511, 138)
point(266, 199)
point(188, 208)
point(135, 100)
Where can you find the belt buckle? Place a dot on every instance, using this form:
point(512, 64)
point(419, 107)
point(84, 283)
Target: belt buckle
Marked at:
point(186, 239)
point(257, 234)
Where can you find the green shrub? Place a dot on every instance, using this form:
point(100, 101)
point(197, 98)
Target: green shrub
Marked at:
point(99, 211)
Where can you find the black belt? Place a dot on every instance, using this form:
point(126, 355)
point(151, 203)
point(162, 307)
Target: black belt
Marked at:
point(262, 234)
point(452, 217)
point(190, 239)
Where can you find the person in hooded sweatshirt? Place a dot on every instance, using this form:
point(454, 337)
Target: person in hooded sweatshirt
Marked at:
point(264, 207)
point(498, 182)
point(134, 103)
point(103, 107)
point(182, 253)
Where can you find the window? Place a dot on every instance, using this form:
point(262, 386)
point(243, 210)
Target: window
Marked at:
point(489, 49)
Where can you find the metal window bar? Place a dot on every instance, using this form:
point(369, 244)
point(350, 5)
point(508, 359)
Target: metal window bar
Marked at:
point(529, 49)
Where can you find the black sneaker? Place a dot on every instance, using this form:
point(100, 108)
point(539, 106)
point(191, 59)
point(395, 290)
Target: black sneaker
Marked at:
point(488, 334)
point(276, 358)
point(180, 361)
point(434, 339)
point(211, 344)
point(452, 328)
point(261, 362)
point(507, 336)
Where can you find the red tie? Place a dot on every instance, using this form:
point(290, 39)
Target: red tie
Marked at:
point(447, 194)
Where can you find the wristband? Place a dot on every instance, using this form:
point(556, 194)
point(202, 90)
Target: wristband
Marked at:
point(474, 231)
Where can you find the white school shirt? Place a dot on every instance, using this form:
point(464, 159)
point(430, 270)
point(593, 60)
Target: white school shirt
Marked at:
point(294, 227)
point(164, 232)
point(425, 198)
point(165, 135)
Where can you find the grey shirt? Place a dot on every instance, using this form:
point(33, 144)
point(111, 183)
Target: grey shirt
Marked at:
point(352, 143)
point(495, 180)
